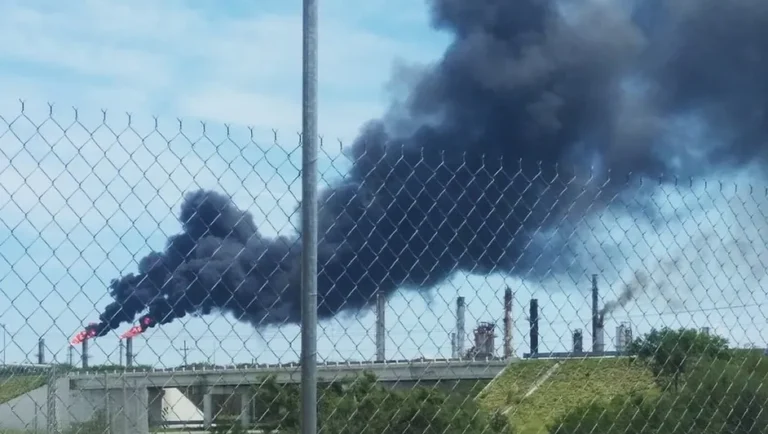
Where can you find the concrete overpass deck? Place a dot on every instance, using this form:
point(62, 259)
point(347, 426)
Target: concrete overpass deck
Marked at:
point(391, 371)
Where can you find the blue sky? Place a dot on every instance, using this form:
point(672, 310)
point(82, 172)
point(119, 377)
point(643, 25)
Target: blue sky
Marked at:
point(74, 211)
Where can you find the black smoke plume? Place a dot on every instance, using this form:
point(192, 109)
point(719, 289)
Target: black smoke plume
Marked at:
point(487, 150)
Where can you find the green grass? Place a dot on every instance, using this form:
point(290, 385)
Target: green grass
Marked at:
point(576, 382)
point(17, 385)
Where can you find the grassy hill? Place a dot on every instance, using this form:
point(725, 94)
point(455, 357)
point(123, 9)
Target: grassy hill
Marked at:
point(17, 385)
point(532, 393)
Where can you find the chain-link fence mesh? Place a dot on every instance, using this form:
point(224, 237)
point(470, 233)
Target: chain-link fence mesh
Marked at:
point(458, 294)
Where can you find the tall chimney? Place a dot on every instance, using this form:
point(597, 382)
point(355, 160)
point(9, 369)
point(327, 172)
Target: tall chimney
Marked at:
point(84, 356)
point(41, 351)
point(578, 341)
point(381, 330)
point(508, 323)
point(599, 345)
point(597, 326)
point(534, 320)
point(460, 338)
point(129, 352)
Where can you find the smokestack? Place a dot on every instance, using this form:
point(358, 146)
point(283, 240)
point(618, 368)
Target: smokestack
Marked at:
point(599, 345)
point(129, 352)
point(508, 323)
point(41, 351)
point(460, 310)
point(381, 330)
point(623, 337)
point(454, 353)
point(84, 356)
point(534, 320)
point(597, 326)
point(578, 341)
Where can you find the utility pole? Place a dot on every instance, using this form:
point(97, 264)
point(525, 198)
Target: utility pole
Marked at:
point(71, 355)
point(120, 361)
point(185, 353)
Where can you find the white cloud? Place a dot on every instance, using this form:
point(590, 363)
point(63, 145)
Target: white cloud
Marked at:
point(83, 192)
point(181, 57)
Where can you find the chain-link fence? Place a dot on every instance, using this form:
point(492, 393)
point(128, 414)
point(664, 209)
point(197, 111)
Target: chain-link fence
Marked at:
point(458, 293)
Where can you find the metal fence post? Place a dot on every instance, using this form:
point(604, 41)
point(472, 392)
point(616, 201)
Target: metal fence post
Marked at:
point(107, 403)
point(309, 221)
point(52, 425)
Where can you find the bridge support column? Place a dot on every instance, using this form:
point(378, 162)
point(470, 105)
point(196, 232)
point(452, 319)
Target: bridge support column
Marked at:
point(208, 409)
point(122, 411)
point(155, 410)
point(245, 409)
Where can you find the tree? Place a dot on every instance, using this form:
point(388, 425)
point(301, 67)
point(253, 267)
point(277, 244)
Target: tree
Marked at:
point(277, 404)
point(723, 392)
point(715, 397)
point(364, 406)
point(669, 352)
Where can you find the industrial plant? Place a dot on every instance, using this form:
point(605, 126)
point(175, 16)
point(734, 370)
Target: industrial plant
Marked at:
point(482, 337)
point(484, 334)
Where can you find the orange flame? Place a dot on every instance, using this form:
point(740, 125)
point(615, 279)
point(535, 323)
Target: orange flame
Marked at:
point(80, 337)
point(83, 335)
point(133, 331)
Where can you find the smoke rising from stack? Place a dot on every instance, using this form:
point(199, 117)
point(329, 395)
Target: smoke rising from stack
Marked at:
point(458, 175)
point(657, 275)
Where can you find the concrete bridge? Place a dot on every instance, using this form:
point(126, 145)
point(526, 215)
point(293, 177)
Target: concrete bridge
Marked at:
point(132, 401)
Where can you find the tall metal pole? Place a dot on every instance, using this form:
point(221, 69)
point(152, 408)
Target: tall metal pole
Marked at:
point(84, 355)
point(596, 327)
point(507, 323)
point(309, 207)
point(4, 342)
point(41, 351)
point(381, 329)
point(461, 307)
point(129, 352)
